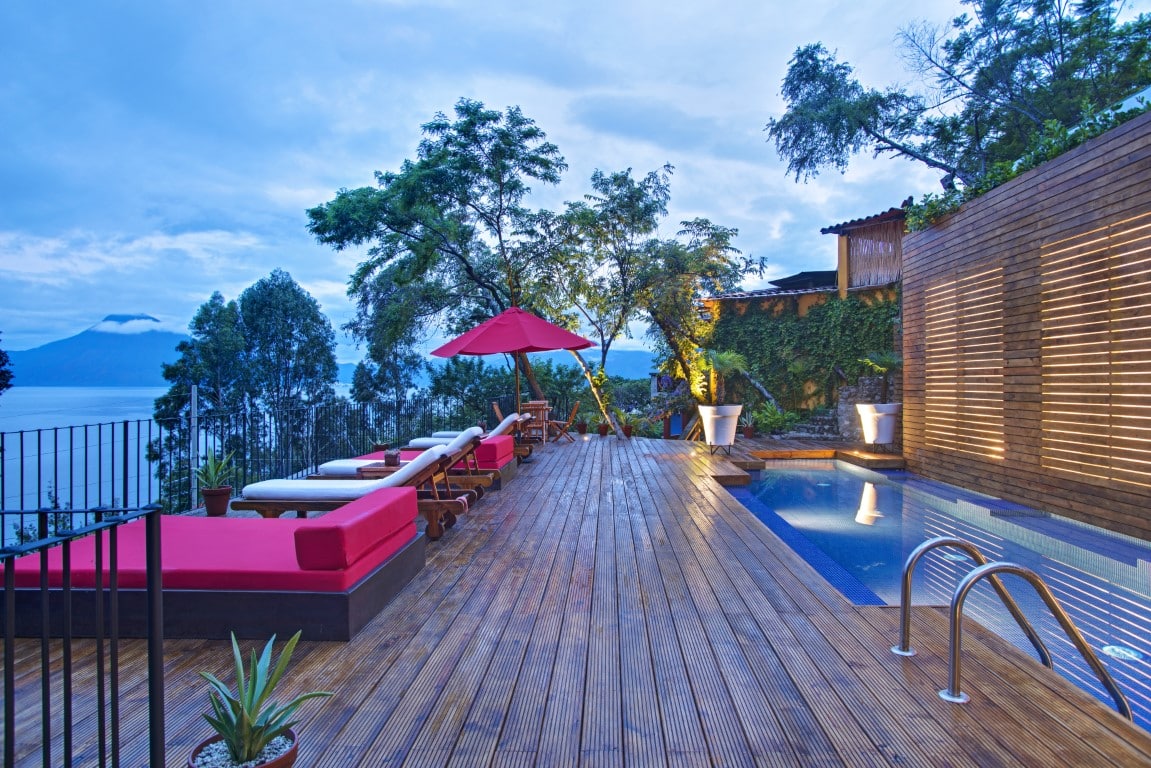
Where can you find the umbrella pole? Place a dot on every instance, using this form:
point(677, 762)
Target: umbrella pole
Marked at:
point(519, 407)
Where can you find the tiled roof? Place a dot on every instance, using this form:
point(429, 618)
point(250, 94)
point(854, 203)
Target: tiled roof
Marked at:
point(892, 214)
point(768, 293)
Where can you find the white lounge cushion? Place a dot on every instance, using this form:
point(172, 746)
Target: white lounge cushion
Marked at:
point(429, 442)
point(406, 471)
point(339, 490)
point(462, 440)
point(344, 467)
point(311, 490)
point(502, 428)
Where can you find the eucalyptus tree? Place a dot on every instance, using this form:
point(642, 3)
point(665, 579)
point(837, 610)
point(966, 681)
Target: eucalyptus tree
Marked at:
point(614, 229)
point(289, 347)
point(212, 360)
point(448, 233)
point(992, 84)
point(600, 250)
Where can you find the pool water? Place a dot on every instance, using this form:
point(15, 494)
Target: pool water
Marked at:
point(857, 528)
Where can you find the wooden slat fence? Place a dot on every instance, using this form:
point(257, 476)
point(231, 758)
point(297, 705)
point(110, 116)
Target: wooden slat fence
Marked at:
point(1027, 337)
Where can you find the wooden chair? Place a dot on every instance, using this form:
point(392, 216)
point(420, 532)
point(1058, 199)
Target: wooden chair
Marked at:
point(560, 429)
point(523, 450)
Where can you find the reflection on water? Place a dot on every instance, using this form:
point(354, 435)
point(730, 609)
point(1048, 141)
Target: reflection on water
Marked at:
point(865, 525)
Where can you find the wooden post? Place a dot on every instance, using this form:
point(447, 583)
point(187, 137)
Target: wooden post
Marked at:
point(843, 279)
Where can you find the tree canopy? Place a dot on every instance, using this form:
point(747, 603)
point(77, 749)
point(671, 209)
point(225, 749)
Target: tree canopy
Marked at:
point(5, 371)
point(449, 232)
point(992, 83)
point(272, 346)
point(452, 242)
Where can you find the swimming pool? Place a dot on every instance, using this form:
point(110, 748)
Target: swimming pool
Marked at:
point(857, 528)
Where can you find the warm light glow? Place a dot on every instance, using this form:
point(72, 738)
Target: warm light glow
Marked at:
point(1096, 353)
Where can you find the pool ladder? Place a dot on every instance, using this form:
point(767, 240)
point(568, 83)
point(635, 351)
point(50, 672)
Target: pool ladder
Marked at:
point(991, 572)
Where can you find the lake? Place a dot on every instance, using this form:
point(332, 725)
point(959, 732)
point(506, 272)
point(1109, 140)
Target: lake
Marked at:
point(28, 408)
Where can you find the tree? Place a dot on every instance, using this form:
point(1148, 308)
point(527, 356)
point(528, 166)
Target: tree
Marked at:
point(5, 371)
point(613, 236)
point(678, 276)
point(1003, 74)
point(289, 345)
point(212, 360)
point(449, 232)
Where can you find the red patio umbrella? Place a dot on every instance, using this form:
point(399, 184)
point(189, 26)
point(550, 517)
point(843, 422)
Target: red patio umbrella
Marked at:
point(510, 332)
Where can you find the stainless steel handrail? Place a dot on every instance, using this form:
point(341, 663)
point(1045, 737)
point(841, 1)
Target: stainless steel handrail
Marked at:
point(989, 570)
point(904, 648)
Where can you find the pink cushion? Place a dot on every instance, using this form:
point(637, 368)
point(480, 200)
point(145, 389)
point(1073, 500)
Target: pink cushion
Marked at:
point(340, 538)
point(225, 553)
point(496, 455)
point(496, 451)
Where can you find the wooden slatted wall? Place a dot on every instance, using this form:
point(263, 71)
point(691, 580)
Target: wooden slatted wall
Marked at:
point(1027, 337)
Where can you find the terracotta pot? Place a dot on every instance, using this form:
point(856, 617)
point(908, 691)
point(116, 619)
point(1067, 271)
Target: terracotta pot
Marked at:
point(627, 430)
point(216, 500)
point(283, 761)
point(602, 429)
point(581, 427)
point(749, 432)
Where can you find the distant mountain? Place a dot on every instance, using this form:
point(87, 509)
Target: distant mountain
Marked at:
point(119, 351)
point(128, 350)
point(621, 363)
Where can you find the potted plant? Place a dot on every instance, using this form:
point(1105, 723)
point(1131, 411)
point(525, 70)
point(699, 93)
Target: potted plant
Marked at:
point(250, 729)
point(879, 420)
point(747, 424)
point(720, 419)
point(628, 422)
point(581, 426)
point(602, 427)
point(214, 476)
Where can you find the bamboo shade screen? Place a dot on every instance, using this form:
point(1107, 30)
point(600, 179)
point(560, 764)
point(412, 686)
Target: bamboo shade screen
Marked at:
point(1096, 351)
point(963, 376)
point(875, 255)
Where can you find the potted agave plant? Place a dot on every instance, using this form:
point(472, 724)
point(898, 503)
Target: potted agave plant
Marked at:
point(747, 424)
point(251, 731)
point(214, 477)
point(719, 419)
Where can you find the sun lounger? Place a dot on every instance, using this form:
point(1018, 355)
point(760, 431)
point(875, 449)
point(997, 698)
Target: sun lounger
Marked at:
point(505, 427)
point(462, 469)
point(272, 498)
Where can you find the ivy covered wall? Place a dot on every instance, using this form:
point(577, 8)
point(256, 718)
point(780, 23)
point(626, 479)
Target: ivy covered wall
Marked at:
point(799, 357)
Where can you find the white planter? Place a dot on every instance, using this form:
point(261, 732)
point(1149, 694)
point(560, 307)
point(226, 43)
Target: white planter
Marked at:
point(879, 421)
point(720, 423)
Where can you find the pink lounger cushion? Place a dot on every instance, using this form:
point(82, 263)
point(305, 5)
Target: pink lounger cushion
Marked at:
point(249, 553)
point(334, 542)
point(492, 453)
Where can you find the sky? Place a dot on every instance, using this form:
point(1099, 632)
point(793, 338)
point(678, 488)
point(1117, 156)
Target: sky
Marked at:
point(155, 151)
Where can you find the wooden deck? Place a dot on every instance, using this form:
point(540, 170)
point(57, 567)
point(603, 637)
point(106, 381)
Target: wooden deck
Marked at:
point(615, 606)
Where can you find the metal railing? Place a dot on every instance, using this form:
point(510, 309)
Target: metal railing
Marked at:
point(41, 603)
point(990, 571)
point(136, 463)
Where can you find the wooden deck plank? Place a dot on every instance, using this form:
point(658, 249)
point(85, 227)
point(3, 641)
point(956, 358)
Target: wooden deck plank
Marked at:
point(614, 605)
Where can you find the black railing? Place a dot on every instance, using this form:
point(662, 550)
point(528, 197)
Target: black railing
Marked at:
point(77, 727)
point(138, 463)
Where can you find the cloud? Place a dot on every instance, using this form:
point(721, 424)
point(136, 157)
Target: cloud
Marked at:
point(165, 152)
